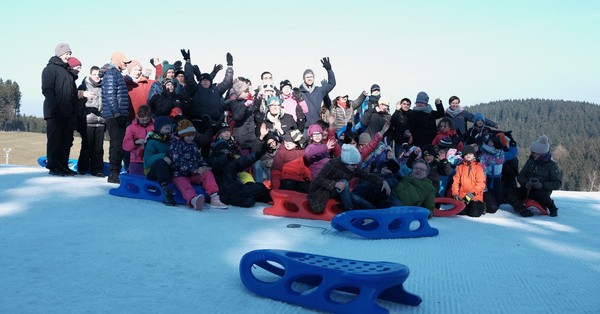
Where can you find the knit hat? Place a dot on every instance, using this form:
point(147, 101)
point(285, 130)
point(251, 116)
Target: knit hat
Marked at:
point(160, 122)
point(429, 149)
point(350, 155)
point(364, 138)
point(117, 57)
point(185, 128)
point(223, 127)
point(205, 76)
point(446, 142)
point(392, 165)
point(383, 102)
point(468, 149)
point(132, 65)
point(293, 136)
point(219, 145)
point(239, 86)
point(307, 71)
point(285, 83)
point(314, 128)
point(179, 72)
point(61, 49)
point(375, 87)
point(165, 82)
point(73, 62)
point(166, 67)
point(478, 116)
point(274, 101)
point(541, 146)
point(422, 98)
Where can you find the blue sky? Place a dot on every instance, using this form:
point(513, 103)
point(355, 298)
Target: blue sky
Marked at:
point(480, 51)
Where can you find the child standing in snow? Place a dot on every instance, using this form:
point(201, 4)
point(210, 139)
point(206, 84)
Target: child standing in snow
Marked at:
point(189, 167)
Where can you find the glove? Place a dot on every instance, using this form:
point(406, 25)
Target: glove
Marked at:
point(185, 54)
point(217, 68)
point(177, 65)
point(152, 62)
point(537, 185)
point(326, 64)
point(469, 196)
point(197, 72)
point(229, 59)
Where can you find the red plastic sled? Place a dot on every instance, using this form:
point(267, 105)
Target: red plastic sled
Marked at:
point(457, 207)
point(295, 205)
point(531, 203)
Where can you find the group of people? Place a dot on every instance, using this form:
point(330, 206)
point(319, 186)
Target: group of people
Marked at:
point(181, 127)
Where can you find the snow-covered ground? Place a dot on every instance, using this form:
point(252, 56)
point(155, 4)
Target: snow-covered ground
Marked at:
point(67, 246)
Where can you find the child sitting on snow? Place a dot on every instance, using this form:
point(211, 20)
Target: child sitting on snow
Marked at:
point(135, 138)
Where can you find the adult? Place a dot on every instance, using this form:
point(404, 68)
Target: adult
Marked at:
point(342, 109)
point(278, 123)
point(60, 100)
point(399, 125)
point(374, 118)
point(313, 95)
point(138, 86)
point(244, 129)
point(416, 189)
point(92, 156)
point(460, 116)
point(422, 124)
point(116, 106)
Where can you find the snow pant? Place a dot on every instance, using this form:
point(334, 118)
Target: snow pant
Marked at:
point(473, 209)
point(293, 185)
point(116, 132)
point(160, 172)
point(260, 172)
point(373, 194)
point(91, 154)
point(206, 180)
point(350, 200)
point(541, 196)
point(59, 137)
point(136, 167)
point(248, 195)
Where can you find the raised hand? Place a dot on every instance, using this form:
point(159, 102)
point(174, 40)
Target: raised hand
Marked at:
point(217, 68)
point(185, 54)
point(326, 64)
point(229, 59)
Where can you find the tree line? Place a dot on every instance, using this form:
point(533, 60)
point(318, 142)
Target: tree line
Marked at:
point(10, 114)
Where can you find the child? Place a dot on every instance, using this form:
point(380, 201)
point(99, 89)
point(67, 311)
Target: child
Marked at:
point(478, 131)
point(288, 171)
point(157, 165)
point(135, 138)
point(469, 183)
point(332, 182)
point(317, 152)
point(224, 133)
point(189, 167)
point(492, 159)
point(538, 178)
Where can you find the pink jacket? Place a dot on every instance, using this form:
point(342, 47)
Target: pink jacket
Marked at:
point(289, 105)
point(133, 132)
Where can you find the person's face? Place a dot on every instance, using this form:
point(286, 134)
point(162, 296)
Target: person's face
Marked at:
point(205, 83)
point(170, 87)
point(165, 129)
point(535, 156)
point(455, 104)
point(189, 138)
point(245, 94)
point(317, 137)
point(136, 72)
point(267, 78)
point(428, 157)
point(376, 93)
point(225, 134)
point(122, 65)
point(95, 76)
point(289, 145)
point(419, 171)
point(353, 143)
point(272, 144)
point(180, 78)
point(479, 123)
point(144, 120)
point(286, 90)
point(274, 109)
point(404, 106)
point(309, 79)
point(469, 157)
point(76, 69)
point(384, 107)
point(443, 127)
point(65, 56)
point(351, 167)
point(170, 74)
point(343, 99)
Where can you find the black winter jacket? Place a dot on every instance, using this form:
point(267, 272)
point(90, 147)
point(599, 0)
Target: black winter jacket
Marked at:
point(59, 90)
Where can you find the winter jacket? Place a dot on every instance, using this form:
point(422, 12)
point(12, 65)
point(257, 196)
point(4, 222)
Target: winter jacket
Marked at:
point(451, 134)
point(476, 135)
point(460, 117)
point(115, 96)
point(288, 164)
point(59, 90)
point(287, 123)
point(314, 97)
point(138, 92)
point(186, 158)
point(398, 125)
point(156, 147)
point(225, 168)
point(333, 171)
point(510, 168)
point(345, 115)
point(469, 178)
point(134, 132)
point(373, 121)
point(544, 169)
point(316, 155)
point(422, 124)
point(162, 104)
point(290, 105)
point(205, 101)
point(415, 192)
point(244, 129)
point(93, 106)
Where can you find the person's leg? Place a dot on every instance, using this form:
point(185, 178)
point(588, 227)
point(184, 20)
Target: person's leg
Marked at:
point(184, 186)
point(474, 209)
point(115, 152)
point(344, 196)
point(53, 133)
point(258, 169)
point(96, 149)
point(543, 197)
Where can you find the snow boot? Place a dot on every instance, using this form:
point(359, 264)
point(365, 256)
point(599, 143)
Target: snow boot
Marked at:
point(168, 195)
point(197, 202)
point(552, 211)
point(113, 177)
point(525, 212)
point(215, 202)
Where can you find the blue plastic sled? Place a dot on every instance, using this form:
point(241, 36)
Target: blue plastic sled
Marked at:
point(43, 161)
point(325, 283)
point(394, 222)
point(136, 186)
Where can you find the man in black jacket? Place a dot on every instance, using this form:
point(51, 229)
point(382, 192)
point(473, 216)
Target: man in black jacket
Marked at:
point(60, 100)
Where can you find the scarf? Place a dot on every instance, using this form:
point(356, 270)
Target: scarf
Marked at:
point(455, 112)
point(309, 89)
point(425, 109)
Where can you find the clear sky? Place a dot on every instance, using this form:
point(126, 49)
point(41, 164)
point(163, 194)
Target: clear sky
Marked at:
point(480, 51)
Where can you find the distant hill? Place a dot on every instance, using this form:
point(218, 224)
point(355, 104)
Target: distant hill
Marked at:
point(572, 127)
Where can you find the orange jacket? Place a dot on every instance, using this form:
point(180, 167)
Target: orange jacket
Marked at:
point(469, 177)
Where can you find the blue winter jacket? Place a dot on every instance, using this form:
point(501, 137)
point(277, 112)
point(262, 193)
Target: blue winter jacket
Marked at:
point(115, 98)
